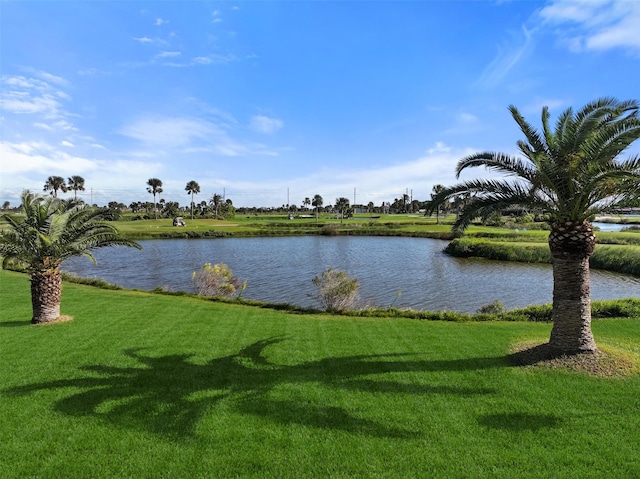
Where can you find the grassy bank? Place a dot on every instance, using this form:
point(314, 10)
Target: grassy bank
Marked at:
point(618, 258)
point(395, 225)
point(143, 385)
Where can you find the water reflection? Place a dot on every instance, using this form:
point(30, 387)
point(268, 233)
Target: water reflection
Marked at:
point(281, 269)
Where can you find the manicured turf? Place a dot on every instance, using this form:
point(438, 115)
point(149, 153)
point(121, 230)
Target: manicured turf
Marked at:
point(143, 385)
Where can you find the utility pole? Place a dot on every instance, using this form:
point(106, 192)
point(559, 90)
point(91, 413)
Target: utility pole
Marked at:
point(354, 197)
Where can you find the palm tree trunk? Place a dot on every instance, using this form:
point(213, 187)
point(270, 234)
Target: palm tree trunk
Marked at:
point(46, 291)
point(571, 316)
point(571, 246)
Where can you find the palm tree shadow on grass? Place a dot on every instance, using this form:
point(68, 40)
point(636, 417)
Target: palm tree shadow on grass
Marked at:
point(168, 395)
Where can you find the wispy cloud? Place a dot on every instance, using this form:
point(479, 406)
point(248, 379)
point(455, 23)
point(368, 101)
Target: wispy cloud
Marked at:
point(168, 54)
point(467, 118)
point(144, 39)
point(171, 132)
point(509, 55)
point(265, 124)
point(595, 24)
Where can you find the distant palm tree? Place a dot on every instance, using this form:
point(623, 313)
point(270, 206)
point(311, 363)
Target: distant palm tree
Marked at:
point(317, 204)
point(370, 207)
point(55, 183)
point(306, 202)
point(215, 202)
point(193, 188)
point(342, 205)
point(50, 231)
point(572, 173)
point(437, 189)
point(154, 187)
point(75, 183)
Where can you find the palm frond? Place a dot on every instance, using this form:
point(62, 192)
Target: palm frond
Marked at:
point(499, 162)
point(532, 135)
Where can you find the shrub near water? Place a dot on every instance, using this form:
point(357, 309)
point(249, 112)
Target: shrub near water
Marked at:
point(216, 280)
point(337, 291)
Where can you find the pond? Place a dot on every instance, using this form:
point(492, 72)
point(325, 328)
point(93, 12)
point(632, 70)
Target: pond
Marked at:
point(280, 270)
point(610, 226)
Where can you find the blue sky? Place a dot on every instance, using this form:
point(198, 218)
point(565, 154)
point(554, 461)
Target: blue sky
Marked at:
point(270, 102)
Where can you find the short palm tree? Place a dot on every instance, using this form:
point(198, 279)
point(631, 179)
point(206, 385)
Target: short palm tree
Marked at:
point(75, 183)
point(55, 183)
point(192, 188)
point(572, 173)
point(154, 186)
point(50, 231)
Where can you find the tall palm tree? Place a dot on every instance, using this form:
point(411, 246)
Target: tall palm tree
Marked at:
point(317, 203)
point(572, 173)
point(50, 231)
point(306, 202)
point(75, 183)
point(154, 186)
point(193, 188)
point(55, 183)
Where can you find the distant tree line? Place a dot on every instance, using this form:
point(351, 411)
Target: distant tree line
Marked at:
point(220, 207)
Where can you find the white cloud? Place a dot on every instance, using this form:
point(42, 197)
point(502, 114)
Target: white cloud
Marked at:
point(160, 22)
point(265, 124)
point(40, 157)
point(595, 24)
point(68, 144)
point(372, 184)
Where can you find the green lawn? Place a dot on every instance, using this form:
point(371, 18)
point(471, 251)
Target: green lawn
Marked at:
point(142, 385)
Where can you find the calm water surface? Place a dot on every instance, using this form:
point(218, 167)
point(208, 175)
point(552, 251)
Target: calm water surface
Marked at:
point(280, 270)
